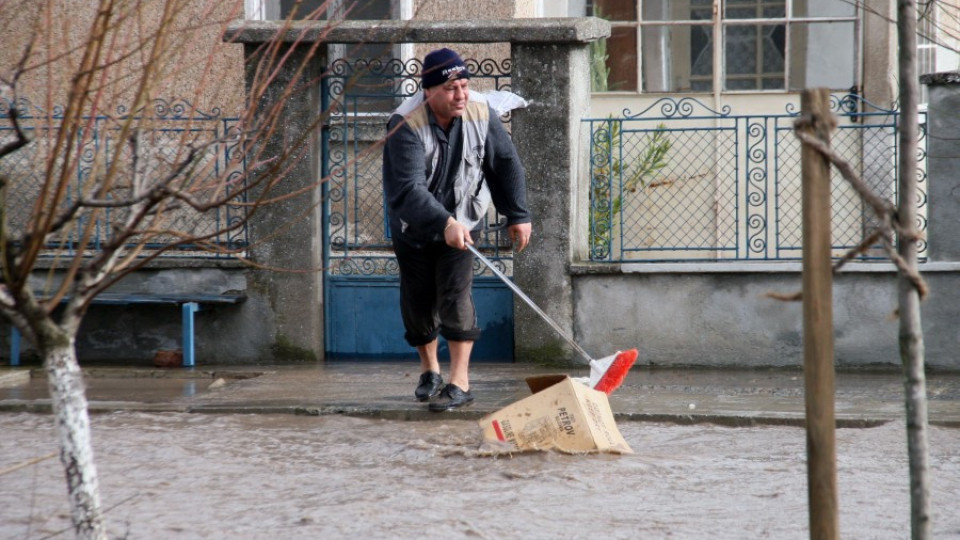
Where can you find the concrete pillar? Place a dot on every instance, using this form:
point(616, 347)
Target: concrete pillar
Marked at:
point(879, 88)
point(555, 77)
point(880, 53)
point(943, 162)
point(285, 235)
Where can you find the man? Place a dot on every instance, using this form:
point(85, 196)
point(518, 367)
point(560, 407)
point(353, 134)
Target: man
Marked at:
point(446, 156)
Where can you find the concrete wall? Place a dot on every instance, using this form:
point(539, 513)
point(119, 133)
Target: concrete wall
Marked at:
point(225, 334)
point(716, 318)
point(470, 10)
point(943, 162)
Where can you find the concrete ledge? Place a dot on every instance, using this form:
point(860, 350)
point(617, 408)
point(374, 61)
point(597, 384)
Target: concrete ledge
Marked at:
point(746, 268)
point(164, 262)
point(383, 390)
point(540, 30)
point(14, 377)
point(944, 77)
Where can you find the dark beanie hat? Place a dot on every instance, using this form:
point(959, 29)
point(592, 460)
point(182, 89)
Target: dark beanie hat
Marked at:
point(441, 66)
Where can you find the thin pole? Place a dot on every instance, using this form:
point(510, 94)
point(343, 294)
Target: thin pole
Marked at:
point(911, 329)
point(818, 321)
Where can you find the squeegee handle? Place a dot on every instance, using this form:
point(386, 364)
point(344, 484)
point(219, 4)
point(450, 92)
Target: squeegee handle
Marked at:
point(513, 286)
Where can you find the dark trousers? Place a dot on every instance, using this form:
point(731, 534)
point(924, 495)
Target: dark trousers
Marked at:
point(436, 296)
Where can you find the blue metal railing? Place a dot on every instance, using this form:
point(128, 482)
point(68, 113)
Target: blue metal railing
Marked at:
point(679, 181)
point(169, 127)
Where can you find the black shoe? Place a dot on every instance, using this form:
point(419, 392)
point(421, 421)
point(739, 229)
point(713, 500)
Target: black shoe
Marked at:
point(451, 397)
point(429, 387)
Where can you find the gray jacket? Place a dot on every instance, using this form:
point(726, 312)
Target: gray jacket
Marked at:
point(423, 189)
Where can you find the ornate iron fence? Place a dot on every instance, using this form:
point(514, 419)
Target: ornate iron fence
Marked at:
point(167, 129)
point(679, 181)
point(358, 97)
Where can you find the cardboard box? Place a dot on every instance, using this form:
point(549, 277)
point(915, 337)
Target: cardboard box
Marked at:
point(562, 414)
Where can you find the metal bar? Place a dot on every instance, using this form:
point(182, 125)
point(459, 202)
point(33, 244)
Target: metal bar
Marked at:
point(188, 309)
point(737, 22)
point(529, 302)
point(14, 346)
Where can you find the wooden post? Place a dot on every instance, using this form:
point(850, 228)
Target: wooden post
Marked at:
point(818, 321)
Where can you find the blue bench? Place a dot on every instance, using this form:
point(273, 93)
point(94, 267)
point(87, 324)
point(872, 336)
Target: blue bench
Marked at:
point(189, 305)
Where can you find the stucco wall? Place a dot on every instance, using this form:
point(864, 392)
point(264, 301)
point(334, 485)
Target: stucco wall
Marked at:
point(197, 65)
point(727, 319)
point(457, 10)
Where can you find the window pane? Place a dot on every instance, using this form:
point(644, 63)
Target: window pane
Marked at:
point(775, 12)
point(354, 10)
point(370, 87)
point(367, 10)
point(701, 51)
point(671, 10)
point(742, 49)
point(754, 9)
point(677, 58)
point(622, 59)
point(614, 10)
point(701, 10)
point(824, 8)
point(312, 9)
point(926, 32)
point(742, 13)
point(754, 57)
point(822, 55)
point(773, 84)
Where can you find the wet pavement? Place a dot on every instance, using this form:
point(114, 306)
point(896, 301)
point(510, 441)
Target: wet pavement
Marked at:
point(305, 452)
point(385, 390)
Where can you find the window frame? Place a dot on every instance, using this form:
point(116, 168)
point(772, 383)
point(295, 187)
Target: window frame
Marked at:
point(718, 25)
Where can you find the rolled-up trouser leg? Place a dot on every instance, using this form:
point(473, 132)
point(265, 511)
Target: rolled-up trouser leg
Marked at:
point(436, 293)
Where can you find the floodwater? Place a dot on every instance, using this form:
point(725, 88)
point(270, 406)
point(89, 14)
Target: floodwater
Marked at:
point(180, 475)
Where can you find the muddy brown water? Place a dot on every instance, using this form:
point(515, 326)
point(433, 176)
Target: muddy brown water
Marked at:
point(179, 475)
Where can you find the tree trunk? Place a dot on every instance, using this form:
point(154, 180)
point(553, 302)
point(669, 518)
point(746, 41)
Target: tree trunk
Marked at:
point(73, 431)
point(911, 332)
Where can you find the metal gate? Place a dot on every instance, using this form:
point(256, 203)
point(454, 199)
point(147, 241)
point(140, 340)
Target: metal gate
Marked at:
point(361, 283)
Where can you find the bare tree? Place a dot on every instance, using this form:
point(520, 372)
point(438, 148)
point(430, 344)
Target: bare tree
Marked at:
point(148, 194)
point(911, 331)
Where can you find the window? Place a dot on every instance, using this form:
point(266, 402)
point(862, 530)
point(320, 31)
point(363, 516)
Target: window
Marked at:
point(333, 10)
point(938, 47)
point(324, 9)
point(779, 45)
point(368, 68)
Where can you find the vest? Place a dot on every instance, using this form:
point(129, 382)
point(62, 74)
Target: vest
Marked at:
point(471, 194)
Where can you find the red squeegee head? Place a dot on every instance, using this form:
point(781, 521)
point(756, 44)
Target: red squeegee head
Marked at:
point(613, 377)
